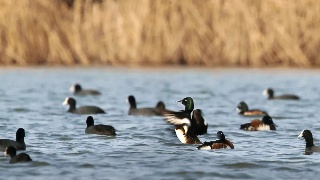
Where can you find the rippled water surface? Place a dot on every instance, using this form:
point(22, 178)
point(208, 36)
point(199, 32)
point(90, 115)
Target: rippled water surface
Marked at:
point(146, 147)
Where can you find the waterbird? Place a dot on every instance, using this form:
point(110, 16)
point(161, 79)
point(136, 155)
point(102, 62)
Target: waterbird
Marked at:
point(81, 110)
point(220, 143)
point(14, 158)
point(76, 89)
point(188, 128)
point(270, 93)
point(100, 129)
point(146, 111)
point(19, 143)
point(310, 147)
point(259, 125)
point(243, 109)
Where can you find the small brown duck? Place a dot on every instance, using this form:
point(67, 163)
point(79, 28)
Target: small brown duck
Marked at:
point(259, 125)
point(220, 143)
point(243, 109)
point(14, 158)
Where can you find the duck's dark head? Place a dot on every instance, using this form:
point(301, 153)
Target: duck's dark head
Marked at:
point(267, 120)
point(197, 112)
point(220, 136)
point(75, 88)
point(69, 101)
point(20, 134)
point(242, 107)
point(160, 105)
point(90, 121)
point(307, 135)
point(132, 101)
point(268, 92)
point(11, 151)
point(188, 104)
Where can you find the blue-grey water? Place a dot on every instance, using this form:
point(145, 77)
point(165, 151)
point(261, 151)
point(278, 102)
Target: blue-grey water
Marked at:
point(146, 147)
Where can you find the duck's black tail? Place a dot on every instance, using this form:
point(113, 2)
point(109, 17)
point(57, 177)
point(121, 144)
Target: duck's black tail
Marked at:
point(245, 126)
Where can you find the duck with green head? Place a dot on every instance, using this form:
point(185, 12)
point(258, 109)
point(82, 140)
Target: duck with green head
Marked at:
point(186, 127)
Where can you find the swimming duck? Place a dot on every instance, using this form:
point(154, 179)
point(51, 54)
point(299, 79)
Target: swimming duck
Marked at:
point(19, 143)
point(310, 147)
point(133, 110)
point(199, 125)
point(184, 130)
point(186, 127)
point(220, 143)
point(100, 129)
point(76, 89)
point(270, 93)
point(259, 125)
point(243, 109)
point(81, 110)
point(14, 158)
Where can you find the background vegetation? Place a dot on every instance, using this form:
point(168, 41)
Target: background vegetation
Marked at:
point(160, 32)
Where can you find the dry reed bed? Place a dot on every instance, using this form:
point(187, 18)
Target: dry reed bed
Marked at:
point(161, 32)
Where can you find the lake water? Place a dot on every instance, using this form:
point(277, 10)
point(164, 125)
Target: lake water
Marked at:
point(146, 147)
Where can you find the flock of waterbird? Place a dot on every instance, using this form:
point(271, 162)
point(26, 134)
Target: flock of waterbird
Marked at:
point(188, 123)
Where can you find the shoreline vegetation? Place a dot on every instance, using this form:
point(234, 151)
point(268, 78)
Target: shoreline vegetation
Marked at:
point(208, 33)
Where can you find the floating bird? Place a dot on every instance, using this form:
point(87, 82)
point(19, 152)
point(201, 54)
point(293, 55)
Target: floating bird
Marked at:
point(243, 109)
point(147, 111)
point(76, 89)
point(100, 129)
point(310, 147)
point(270, 93)
point(186, 127)
point(14, 158)
point(220, 143)
point(184, 130)
point(19, 143)
point(81, 110)
point(259, 125)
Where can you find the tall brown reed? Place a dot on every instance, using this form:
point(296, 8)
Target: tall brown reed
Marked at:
point(160, 32)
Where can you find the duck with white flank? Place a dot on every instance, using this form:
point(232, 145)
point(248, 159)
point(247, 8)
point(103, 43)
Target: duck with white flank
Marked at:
point(244, 110)
point(188, 128)
point(259, 125)
point(220, 143)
